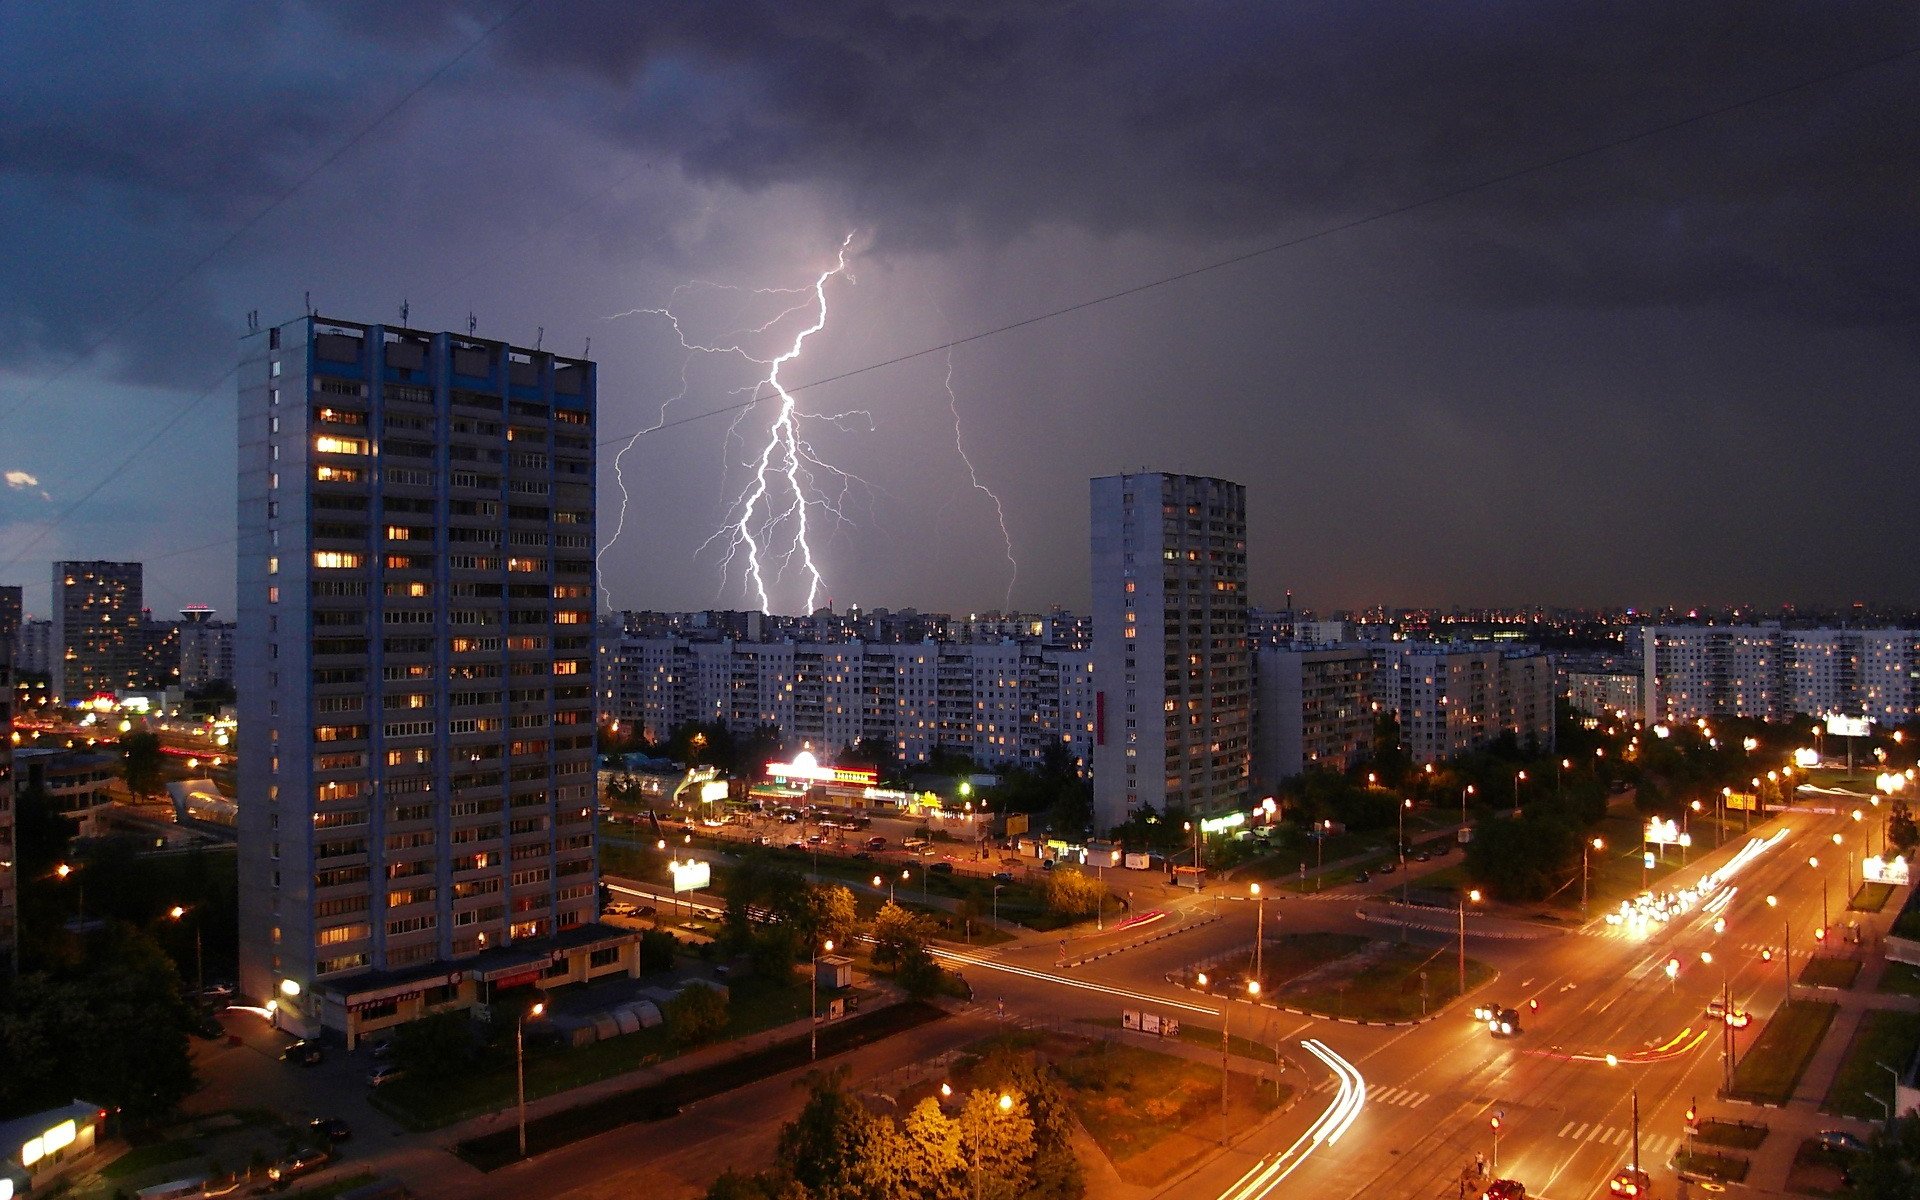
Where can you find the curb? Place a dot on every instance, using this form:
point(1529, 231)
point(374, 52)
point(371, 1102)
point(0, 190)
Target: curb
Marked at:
point(1318, 1016)
point(1145, 941)
point(1497, 934)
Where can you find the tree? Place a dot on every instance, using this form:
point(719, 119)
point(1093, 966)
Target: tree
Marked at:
point(657, 950)
point(434, 1047)
point(1901, 829)
point(1072, 893)
point(936, 1168)
point(697, 1014)
point(1000, 1144)
point(918, 973)
point(140, 763)
point(830, 914)
point(896, 931)
point(1526, 858)
point(839, 1150)
point(111, 1027)
point(874, 752)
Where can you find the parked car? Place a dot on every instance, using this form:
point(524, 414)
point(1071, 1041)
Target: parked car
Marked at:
point(306, 1054)
point(1422, 856)
point(1840, 1139)
point(621, 908)
point(876, 843)
point(1629, 1181)
point(941, 868)
point(1505, 1189)
point(1003, 876)
point(796, 845)
point(1361, 877)
point(1388, 867)
point(384, 1075)
point(332, 1129)
point(298, 1164)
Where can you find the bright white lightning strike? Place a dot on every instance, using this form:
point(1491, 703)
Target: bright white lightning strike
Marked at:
point(999, 510)
point(770, 522)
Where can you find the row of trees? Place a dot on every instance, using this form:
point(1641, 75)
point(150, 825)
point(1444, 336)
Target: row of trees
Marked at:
point(1005, 1138)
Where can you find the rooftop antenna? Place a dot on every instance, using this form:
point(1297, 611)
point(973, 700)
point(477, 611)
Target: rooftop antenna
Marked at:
point(309, 302)
point(473, 323)
point(404, 309)
point(588, 352)
point(253, 320)
point(539, 335)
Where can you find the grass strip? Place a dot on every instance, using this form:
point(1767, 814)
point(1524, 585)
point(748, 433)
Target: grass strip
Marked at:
point(1772, 1066)
point(1861, 1085)
point(658, 1101)
point(1737, 1135)
point(1830, 971)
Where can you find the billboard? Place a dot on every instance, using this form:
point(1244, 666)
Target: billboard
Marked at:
point(1839, 726)
point(713, 790)
point(691, 875)
point(1662, 833)
point(1878, 870)
point(1743, 800)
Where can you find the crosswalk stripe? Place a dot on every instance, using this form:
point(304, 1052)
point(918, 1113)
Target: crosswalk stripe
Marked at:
point(1580, 1134)
point(1564, 1128)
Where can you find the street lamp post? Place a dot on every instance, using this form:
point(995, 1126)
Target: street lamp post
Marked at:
point(996, 904)
point(1595, 844)
point(177, 912)
point(1612, 1061)
point(1814, 862)
point(1259, 931)
point(520, 1068)
point(1786, 947)
point(1519, 777)
point(1402, 847)
point(813, 1032)
point(1464, 793)
point(1474, 896)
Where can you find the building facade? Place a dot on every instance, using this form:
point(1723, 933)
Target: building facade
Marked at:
point(95, 637)
point(1607, 693)
point(1172, 673)
point(415, 672)
point(1000, 703)
point(206, 648)
point(1770, 673)
point(1453, 698)
point(33, 648)
point(1313, 708)
point(12, 612)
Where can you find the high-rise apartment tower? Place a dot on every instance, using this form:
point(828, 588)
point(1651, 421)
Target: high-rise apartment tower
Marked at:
point(415, 669)
point(1171, 674)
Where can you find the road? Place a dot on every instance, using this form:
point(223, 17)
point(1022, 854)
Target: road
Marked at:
point(1384, 1111)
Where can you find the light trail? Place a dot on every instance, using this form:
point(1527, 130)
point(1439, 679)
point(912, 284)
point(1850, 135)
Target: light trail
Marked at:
point(1351, 1096)
point(1067, 981)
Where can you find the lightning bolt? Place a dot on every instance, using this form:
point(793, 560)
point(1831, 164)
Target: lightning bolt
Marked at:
point(771, 523)
point(999, 510)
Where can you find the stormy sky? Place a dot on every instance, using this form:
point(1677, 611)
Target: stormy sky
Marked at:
point(1530, 302)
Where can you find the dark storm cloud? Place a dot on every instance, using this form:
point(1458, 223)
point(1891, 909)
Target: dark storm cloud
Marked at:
point(1017, 156)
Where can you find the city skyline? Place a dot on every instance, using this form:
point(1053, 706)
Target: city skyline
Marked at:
point(1653, 373)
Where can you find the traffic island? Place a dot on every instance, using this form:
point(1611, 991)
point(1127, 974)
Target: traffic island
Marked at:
point(1772, 1066)
point(1872, 897)
point(1862, 1087)
point(1830, 971)
point(1733, 1135)
point(1709, 1166)
point(658, 1101)
point(1347, 977)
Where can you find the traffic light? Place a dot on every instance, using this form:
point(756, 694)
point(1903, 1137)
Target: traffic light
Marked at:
point(1494, 1123)
point(1766, 954)
point(1819, 935)
point(1693, 1114)
point(1533, 1006)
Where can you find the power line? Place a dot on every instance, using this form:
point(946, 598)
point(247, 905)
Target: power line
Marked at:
point(239, 231)
point(1303, 239)
point(179, 415)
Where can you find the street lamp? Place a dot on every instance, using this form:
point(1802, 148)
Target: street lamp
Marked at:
point(1474, 896)
point(520, 1067)
point(1402, 847)
point(177, 913)
point(813, 1032)
point(1815, 864)
point(1259, 931)
point(1614, 1062)
point(1786, 945)
point(1595, 844)
point(1465, 792)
